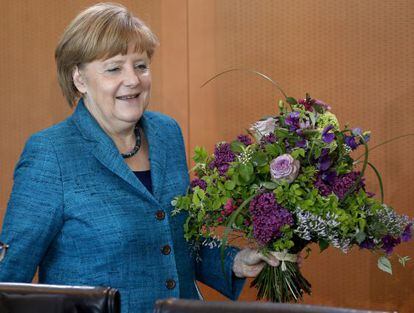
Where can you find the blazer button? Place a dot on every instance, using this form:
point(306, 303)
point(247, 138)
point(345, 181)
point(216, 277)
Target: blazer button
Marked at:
point(160, 215)
point(170, 283)
point(166, 250)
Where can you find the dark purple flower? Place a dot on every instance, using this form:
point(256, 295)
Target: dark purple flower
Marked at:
point(324, 189)
point(327, 136)
point(222, 157)
point(302, 143)
point(198, 182)
point(367, 244)
point(244, 139)
point(267, 139)
point(268, 217)
point(307, 103)
point(345, 182)
point(329, 177)
point(351, 142)
point(324, 161)
point(407, 233)
point(293, 120)
point(389, 242)
point(328, 182)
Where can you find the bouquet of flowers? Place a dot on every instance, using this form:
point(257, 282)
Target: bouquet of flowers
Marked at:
point(288, 182)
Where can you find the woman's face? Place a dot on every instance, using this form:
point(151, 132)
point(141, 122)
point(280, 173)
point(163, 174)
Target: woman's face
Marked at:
point(116, 90)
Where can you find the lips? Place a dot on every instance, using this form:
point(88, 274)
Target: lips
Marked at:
point(128, 97)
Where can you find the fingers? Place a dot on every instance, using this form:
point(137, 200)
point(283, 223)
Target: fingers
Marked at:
point(270, 259)
point(253, 270)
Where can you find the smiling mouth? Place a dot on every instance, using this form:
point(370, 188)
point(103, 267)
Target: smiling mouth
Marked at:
point(127, 97)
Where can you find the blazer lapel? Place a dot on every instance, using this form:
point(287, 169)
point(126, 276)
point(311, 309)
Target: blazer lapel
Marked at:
point(104, 149)
point(157, 154)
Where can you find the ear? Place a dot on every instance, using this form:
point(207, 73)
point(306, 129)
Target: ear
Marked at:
point(79, 80)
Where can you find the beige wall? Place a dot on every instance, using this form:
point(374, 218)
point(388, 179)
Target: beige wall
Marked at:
point(357, 55)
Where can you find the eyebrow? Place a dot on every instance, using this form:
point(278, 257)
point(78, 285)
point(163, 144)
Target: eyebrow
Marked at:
point(120, 61)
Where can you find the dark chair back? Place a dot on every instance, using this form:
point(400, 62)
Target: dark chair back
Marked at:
point(37, 298)
point(195, 306)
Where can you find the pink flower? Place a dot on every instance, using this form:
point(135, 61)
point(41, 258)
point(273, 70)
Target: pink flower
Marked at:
point(220, 219)
point(284, 167)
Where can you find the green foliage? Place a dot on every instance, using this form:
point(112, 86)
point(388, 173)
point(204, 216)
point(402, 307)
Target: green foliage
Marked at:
point(350, 220)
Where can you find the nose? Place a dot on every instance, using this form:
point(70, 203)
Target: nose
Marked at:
point(131, 78)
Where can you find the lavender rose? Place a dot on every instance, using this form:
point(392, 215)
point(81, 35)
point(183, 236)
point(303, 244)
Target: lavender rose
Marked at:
point(284, 167)
point(263, 128)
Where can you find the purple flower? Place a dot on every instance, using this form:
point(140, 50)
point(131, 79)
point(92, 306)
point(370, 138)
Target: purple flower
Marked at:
point(356, 131)
point(324, 161)
point(324, 189)
point(293, 120)
point(367, 244)
point(198, 182)
point(270, 138)
point(389, 242)
point(328, 137)
point(244, 139)
point(407, 233)
point(284, 167)
point(345, 182)
point(268, 217)
point(328, 182)
point(302, 143)
point(321, 104)
point(351, 142)
point(222, 157)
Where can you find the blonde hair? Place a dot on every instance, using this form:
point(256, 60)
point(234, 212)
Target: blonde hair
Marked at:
point(99, 32)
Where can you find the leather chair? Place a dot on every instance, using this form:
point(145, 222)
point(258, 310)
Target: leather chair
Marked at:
point(195, 306)
point(37, 298)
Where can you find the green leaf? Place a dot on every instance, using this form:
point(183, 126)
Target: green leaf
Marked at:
point(236, 146)
point(323, 244)
point(246, 171)
point(298, 152)
point(259, 158)
point(273, 150)
point(403, 260)
point(291, 100)
point(239, 220)
point(281, 133)
point(385, 265)
point(200, 155)
point(229, 185)
point(269, 185)
point(312, 118)
point(360, 236)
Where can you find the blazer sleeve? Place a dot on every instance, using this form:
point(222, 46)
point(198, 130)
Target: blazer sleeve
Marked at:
point(209, 270)
point(34, 212)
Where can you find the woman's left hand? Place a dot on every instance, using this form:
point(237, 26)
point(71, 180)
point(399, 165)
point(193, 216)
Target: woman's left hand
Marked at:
point(249, 263)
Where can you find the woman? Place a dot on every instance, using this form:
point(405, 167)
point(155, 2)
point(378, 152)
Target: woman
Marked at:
point(91, 198)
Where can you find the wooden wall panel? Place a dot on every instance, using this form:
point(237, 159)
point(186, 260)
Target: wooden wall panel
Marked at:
point(356, 55)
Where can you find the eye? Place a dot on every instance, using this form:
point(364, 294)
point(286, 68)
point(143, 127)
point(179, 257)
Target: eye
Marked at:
point(113, 69)
point(141, 66)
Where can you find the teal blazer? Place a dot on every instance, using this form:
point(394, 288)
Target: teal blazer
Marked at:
point(80, 215)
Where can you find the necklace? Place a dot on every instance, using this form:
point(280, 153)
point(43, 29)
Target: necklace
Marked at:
point(137, 144)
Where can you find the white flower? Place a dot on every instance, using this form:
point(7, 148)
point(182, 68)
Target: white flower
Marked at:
point(263, 127)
